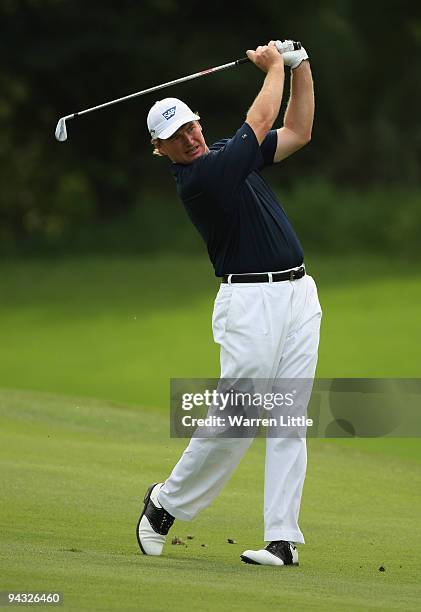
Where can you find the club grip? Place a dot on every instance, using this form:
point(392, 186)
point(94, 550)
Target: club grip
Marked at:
point(289, 45)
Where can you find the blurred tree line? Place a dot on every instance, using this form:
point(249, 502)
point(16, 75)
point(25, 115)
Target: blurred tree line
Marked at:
point(61, 56)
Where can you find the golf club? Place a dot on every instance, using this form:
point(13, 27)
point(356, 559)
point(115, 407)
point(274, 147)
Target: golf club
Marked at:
point(61, 129)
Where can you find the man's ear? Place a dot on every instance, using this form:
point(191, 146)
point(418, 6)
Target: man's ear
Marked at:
point(159, 147)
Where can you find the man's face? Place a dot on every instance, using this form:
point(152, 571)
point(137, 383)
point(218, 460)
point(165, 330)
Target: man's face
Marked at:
point(186, 145)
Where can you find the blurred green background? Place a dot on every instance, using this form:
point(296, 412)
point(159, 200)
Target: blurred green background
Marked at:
point(118, 328)
point(355, 187)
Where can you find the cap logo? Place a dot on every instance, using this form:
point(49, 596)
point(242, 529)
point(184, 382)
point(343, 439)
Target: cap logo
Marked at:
point(170, 112)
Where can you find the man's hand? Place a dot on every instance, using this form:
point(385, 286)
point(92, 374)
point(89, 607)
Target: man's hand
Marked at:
point(292, 58)
point(266, 56)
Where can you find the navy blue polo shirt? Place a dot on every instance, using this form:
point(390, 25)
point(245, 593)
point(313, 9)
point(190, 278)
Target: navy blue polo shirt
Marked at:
point(236, 212)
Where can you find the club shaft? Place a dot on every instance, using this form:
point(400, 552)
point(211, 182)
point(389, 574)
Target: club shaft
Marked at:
point(162, 86)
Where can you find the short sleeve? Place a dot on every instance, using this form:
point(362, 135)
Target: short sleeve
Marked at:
point(268, 149)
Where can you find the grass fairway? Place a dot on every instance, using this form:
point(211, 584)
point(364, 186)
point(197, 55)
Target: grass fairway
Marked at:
point(73, 473)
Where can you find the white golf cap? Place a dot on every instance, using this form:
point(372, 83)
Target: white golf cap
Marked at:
point(167, 115)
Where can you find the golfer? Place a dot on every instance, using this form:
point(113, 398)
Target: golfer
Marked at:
point(266, 315)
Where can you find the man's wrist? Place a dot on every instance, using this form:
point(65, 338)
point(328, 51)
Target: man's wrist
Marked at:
point(302, 63)
point(277, 66)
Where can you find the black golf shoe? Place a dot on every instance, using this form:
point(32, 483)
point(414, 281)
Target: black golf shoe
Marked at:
point(278, 552)
point(153, 524)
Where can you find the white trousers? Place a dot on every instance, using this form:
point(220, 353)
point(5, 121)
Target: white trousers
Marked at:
point(265, 331)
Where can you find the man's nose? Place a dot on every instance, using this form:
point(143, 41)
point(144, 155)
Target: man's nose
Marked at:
point(188, 139)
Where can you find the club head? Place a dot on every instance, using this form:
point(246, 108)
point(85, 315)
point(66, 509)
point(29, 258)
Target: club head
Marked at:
point(61, 131)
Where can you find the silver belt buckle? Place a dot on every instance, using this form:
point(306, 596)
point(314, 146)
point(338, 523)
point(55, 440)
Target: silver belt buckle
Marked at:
point(292, 275)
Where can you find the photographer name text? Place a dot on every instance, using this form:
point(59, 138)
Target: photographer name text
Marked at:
point(242, 421)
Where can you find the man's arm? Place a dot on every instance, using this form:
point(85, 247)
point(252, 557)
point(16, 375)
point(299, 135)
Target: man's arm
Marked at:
point(265, 108)
point(298, 120)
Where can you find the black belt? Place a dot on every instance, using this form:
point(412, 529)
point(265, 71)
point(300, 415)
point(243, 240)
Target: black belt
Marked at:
point(265, 278)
